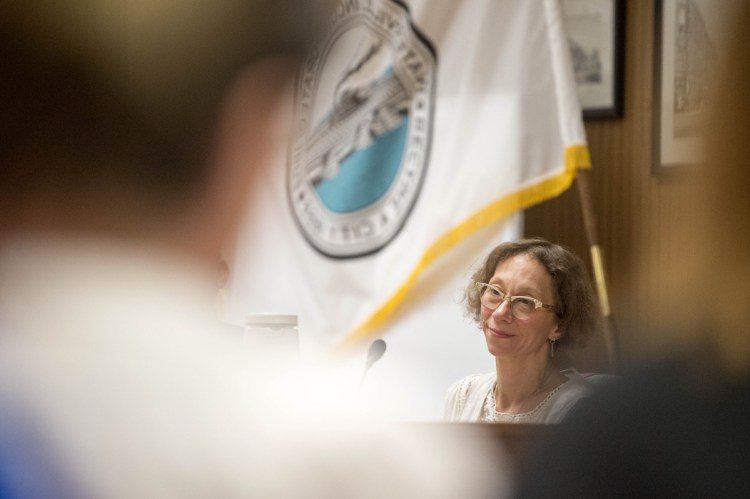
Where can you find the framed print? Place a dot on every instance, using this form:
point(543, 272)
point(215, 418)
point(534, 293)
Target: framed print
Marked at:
point(596, 37)
point(688, 37)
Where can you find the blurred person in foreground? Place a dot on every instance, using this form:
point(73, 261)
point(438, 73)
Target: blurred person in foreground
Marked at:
point(531, 299)
point(130, 133)
point(679, 424)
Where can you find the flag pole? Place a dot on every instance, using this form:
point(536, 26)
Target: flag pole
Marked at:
point(589, 222)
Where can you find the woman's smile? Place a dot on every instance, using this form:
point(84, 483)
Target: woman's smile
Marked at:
point(499, 333)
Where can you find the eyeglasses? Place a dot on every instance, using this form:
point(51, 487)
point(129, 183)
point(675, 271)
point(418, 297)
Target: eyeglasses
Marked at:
point(521, 307)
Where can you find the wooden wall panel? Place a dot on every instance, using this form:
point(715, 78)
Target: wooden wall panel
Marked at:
point(633, 207)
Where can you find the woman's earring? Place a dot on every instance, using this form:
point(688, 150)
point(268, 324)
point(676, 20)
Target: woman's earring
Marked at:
point(552, 348)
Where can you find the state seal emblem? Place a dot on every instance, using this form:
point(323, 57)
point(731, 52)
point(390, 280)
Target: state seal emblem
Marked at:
point(362, 136)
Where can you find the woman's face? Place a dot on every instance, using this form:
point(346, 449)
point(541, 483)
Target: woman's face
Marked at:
point(508, 336)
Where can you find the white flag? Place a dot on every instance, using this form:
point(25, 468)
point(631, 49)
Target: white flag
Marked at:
point(421, 127)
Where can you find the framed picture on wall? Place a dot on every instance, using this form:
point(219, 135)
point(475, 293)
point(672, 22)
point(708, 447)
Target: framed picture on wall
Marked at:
point(595, 31)
point(688, 38)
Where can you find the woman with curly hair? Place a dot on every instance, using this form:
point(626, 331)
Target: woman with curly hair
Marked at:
point(531, 298)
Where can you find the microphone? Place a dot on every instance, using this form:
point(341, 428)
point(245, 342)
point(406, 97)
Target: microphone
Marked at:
point(374, 354)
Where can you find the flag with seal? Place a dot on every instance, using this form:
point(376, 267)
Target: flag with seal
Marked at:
point(421, 129)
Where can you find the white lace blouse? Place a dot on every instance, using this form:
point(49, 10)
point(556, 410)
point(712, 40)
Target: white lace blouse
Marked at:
point(473, 399)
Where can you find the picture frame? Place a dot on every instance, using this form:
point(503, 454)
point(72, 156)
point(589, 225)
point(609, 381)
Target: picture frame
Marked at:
point(688, 37)
point(596, 36)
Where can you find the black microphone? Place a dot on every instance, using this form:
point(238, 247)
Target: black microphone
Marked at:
point(374, 354)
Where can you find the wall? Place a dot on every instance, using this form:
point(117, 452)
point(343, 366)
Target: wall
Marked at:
point(633, 207)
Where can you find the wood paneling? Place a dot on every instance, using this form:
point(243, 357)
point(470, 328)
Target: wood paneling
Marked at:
point(632, 206)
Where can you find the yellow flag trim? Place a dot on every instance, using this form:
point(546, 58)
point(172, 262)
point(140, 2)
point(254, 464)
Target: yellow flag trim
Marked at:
point(576, 157)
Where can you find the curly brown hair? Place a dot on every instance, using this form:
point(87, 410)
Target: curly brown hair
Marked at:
point(576, 308)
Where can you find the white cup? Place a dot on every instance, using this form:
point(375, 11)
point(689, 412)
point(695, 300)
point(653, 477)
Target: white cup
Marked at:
point(275, 332)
